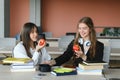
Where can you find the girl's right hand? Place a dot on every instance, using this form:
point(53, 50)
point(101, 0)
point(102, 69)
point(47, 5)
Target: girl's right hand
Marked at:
point(41, 44)
point(80, 54)
point(78, 51)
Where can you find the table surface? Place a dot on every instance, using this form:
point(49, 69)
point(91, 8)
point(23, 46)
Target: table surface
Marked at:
point(5, 74)
point(6, 50)
point(112, 73)
point(54, 50)
point(51, 50)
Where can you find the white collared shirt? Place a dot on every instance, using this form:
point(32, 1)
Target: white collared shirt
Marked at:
point(38, 57)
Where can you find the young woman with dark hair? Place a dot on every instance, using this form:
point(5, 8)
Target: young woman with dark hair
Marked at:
point(28, 46)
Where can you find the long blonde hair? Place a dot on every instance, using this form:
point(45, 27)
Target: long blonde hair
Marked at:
point(88, 21)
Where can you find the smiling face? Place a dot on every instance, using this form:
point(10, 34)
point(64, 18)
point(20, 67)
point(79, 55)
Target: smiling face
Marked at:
point(83, 30)
point(33, 34)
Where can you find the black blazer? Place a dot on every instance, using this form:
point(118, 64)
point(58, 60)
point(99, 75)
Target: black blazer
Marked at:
point(69, 53)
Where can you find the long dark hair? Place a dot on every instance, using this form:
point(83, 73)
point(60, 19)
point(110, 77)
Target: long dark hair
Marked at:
point(25, 36)
point(88, 21)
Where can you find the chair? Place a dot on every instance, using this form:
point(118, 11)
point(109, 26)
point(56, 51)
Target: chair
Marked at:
point(64, 41)
point(115, 47)
point(107, 50)
point(17, 36)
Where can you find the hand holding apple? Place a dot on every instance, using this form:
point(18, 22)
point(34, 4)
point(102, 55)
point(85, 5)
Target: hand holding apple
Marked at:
point(41, 42)
point(76, 47)
point(78, 52)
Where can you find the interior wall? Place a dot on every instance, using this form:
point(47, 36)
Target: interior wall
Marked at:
point(6, 18)
point(61, 16)
point(19, 14)
point(2, 18)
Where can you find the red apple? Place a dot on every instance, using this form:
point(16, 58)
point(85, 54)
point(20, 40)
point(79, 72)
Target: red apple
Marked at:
point(76, 47)
point(41, 42)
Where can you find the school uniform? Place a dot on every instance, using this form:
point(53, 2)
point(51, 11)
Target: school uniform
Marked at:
point(69, 53)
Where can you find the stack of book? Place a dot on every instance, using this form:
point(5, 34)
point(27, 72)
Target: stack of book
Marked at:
point(16, 67)
point(91, 67)
point(20, 64)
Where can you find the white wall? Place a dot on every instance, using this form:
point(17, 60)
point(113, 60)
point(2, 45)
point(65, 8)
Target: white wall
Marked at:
point(35, 12)
point(1, 18)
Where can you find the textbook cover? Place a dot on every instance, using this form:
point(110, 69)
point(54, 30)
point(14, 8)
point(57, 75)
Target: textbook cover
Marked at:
point(89, 67)
point(95, 62)
point(16, 60)
point(64, 71)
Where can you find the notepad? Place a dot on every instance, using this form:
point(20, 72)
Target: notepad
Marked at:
point(64, 71)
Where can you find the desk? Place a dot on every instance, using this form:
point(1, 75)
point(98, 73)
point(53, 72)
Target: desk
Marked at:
point(6, 50)
point(112, 73)
point(53, 42)
point(54, 50)
point(115, 52)
point(5, 74)
point(51, 50)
